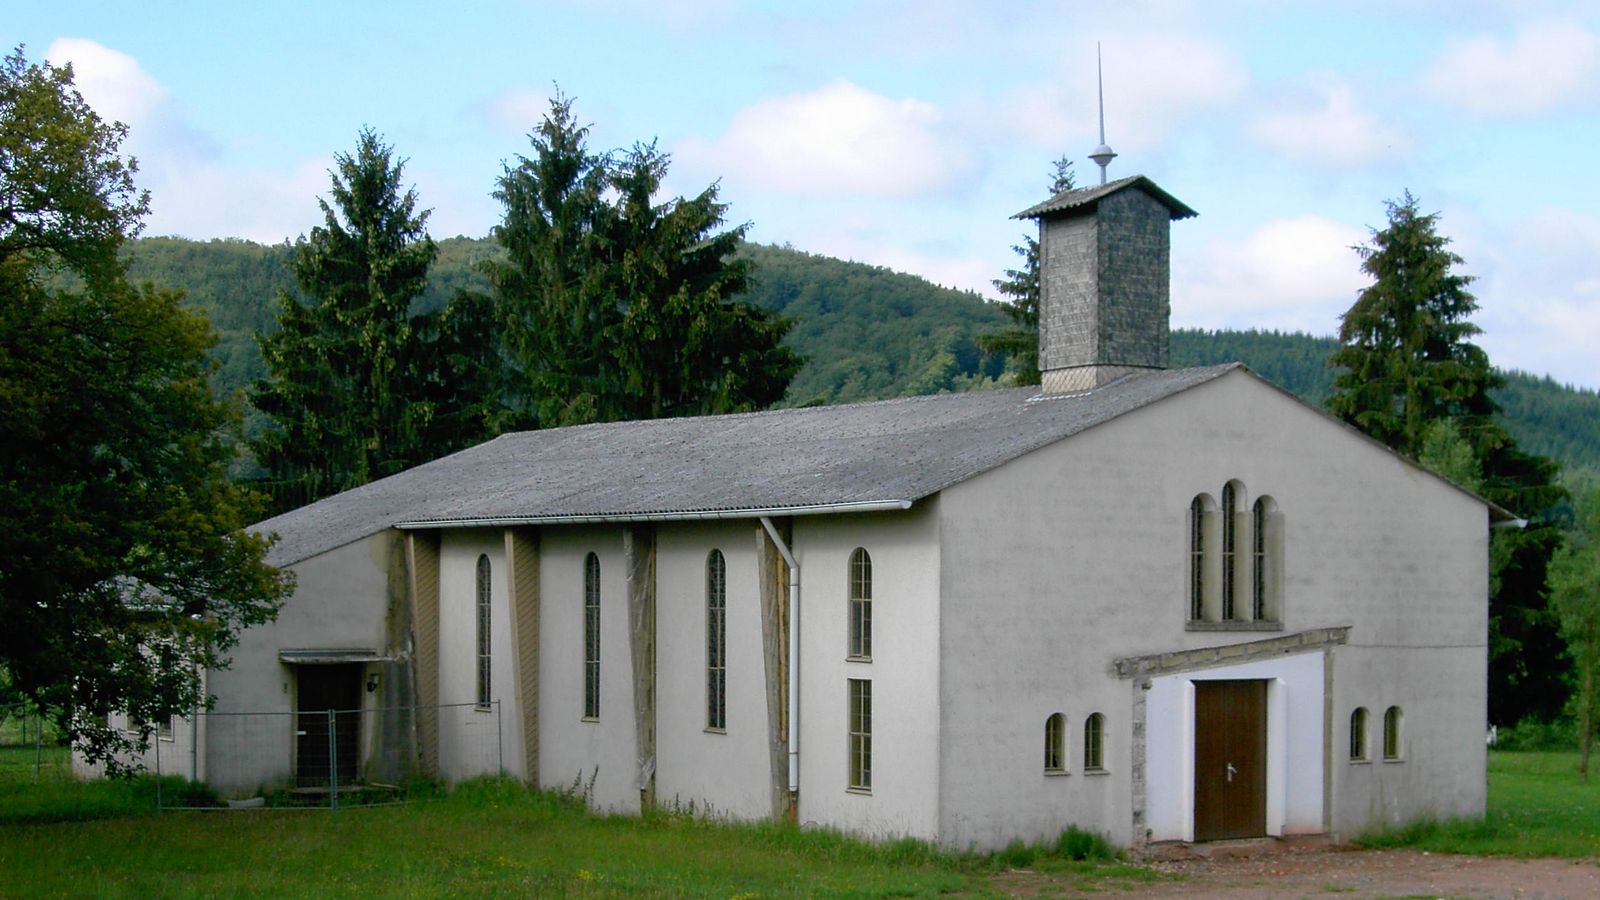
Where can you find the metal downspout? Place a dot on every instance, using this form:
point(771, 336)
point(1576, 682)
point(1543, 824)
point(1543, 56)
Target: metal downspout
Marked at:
point(794, 660)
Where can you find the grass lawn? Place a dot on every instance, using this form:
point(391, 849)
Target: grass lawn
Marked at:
point(1537, 807)
point(59, 837)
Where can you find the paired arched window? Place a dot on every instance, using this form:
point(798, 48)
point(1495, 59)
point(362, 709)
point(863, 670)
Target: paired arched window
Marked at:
point(716, 641)
point(1094, 743)
point(591, 636)
point(1358, 735)
point(1391, 733)
point(1055, 743)
point(1234, 558)
point(860, 605)
point(485, 659)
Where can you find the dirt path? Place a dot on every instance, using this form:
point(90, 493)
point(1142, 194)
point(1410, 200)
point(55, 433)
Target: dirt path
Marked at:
point(1319, 871)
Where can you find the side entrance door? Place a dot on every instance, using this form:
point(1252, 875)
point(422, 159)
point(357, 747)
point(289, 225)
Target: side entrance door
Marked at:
point(1230, 759)
point(321, 688)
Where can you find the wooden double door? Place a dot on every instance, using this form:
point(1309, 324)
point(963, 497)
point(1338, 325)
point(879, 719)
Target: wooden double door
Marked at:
point(1230, 759)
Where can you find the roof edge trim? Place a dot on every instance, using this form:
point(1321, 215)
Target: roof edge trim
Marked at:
point(682, 516)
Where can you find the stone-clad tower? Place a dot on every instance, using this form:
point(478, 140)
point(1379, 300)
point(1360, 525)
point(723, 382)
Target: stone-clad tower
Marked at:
point(1104, 281)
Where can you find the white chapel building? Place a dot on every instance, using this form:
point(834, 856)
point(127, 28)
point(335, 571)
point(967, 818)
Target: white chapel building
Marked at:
point(1165, 605)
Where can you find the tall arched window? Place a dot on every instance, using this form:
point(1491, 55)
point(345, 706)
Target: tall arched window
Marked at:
point(1197, 557)
point(1391, 733)
point(1055, 743)
point(716, 641)
point(1263, 544)
point(591, 637)
point(1094, 743)
point(485, 660)
point(860, 604)
point(1230, 506)
point(1358, 734)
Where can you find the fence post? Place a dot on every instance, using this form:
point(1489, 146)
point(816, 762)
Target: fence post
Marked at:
point(499, 740)
point(333, 760)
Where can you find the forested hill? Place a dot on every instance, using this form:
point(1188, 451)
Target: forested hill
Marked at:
point(866, 332)
point(1545, 417)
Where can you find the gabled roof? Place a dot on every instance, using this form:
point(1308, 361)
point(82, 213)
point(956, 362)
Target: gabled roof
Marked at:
point(1087, 198)
point(882, 455)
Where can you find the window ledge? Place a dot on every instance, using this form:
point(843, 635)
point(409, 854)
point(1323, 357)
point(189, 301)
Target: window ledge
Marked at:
point(595, 719)
point(710, 730)
point(1360, 762)
point(1097, 771)
point(1052, 773)
point(863, 791)
point(1394, 759)
point(858, 659)
point(482, 707)
point(1234, 625)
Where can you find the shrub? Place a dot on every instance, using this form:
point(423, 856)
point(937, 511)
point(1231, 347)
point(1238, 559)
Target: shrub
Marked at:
point(1017, 855)
point(1081, 844)
point(1532, 734)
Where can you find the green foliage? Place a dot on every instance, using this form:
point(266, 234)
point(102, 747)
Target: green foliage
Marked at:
point(70, 199)
point(1446, 451)
point(1535, 734)
point(126, 571)
point(1020, 342)
point(1081, 844)
point(613, 305)
point(1406, 358)
point(1575, 593)
point(1405, 362)
point(357, 386)
point(869, 333)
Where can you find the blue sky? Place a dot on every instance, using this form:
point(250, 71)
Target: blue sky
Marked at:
point(905, 134)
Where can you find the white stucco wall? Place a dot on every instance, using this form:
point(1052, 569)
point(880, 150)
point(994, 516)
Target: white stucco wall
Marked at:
point(340, 602)
point(573, 750)
point(904, 671)
point(474, 740)
point(1062, 561)
point(726, 772)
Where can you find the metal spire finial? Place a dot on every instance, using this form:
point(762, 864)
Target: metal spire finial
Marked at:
point(1102, 154)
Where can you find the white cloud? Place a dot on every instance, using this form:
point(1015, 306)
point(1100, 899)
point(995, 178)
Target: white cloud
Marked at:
point(518, 110)
point(1539, 295)
point(840, 139)
point(1547, 65)
point(1154, 83)
point(212, 200)
point(1336, 134)
point(1295, 274)
point(112, 82)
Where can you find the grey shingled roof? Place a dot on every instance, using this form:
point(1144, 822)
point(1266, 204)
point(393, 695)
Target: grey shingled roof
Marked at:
point(1085, 197)
point(794, 460)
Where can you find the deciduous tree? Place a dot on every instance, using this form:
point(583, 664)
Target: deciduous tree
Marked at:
point(1575, 590)
point(123, 568)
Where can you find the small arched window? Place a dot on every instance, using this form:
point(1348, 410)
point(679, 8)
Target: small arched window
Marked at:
point(1094, 743)
point(716, 641)
point(1230, 509)
point(485, 659)
point(1358, 735)
point(860, 605)
point(1055, 743)
point(1391, 733)
point(591, 636)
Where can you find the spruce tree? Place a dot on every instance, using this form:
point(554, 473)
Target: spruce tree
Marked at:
point(1406, 363)
point(356, 387)
point(1021, 342)
point(616, 304)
